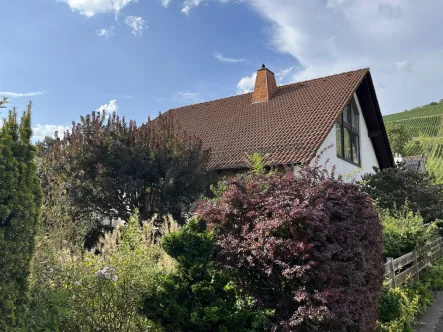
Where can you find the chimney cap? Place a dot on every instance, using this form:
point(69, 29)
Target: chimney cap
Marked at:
point(265, 85)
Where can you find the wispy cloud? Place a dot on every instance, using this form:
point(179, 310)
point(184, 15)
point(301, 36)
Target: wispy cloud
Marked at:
point(41, 131)
point(109, 108)
point(21, 94)
point(282, 74)
point(376, 34)
point(188, 96)
point(137, 24)
point(106, 33)
point(188, 5)
point(220, 57)
point(93, 7)
point(165, 3)
point(246, 84)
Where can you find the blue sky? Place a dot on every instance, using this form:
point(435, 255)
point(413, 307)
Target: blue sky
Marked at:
point(142, 57)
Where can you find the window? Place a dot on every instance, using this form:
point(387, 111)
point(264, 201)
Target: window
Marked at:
point(347, 134)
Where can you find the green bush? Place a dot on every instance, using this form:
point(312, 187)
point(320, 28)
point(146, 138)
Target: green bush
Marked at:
point(404, 232)
point(397, 310)
point(75, 291)
point(433, 276)
point(399, 307)
point(198, 296)
point(422, 292)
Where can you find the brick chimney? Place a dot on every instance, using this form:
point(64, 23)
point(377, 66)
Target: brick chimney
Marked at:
point(265, 85)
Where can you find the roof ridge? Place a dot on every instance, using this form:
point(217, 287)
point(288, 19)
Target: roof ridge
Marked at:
point(278, 87)
point(323, 77)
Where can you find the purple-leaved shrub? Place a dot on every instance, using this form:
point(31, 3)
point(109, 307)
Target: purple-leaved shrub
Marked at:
point(308, 246)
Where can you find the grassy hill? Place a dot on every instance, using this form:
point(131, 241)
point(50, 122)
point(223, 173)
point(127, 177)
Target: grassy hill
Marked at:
point(425, 125)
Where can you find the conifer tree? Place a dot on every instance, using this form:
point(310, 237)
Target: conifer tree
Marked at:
point(20, 200)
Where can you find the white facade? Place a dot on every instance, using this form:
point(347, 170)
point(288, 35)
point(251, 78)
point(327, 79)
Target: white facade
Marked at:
point(349, 170)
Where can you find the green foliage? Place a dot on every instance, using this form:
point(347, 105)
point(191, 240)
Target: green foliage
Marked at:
point(404, 232)
point(398, 137)
point(399, 307)
point(432, 149)
point(397, 310)
point(425, 124)
point(94, 291)
point(394, 188)
point(20, 200)
point(198, 296)
point(256, 163)
point(433, 276)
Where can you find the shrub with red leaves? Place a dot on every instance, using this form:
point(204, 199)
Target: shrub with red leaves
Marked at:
point(307, 245)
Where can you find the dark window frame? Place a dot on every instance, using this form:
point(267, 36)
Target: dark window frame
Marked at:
point(354, 132)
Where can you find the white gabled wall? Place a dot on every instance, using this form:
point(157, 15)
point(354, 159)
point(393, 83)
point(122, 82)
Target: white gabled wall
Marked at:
point(367, 153)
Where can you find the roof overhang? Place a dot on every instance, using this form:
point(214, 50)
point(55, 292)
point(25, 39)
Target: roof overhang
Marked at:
point(374, 121)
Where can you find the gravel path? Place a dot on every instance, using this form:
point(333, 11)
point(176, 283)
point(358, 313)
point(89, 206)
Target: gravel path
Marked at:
point(432, 320)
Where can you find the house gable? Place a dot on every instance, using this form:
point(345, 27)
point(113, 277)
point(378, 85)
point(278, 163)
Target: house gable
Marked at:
point(368, 158)
point(288, 126)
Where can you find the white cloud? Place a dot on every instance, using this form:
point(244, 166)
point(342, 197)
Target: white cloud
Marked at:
point(20, 94)
point(109, 108)
point(188, 5)
point(41, 131)
point(220, 57)
point(188, 96)
point(137, 24)
point(246, 84)
point(106, 33)
point(92, 7)
point(282, 74)
point(328, 38)
point(165, 3)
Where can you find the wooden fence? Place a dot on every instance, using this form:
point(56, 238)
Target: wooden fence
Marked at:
point(416, 261)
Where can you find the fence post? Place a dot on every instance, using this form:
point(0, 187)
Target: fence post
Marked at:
point(392, 271)
point(440, 246)
point(428, 253)
point(417, 271)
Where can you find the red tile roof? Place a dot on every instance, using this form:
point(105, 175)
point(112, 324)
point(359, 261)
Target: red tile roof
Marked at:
point(289, 128)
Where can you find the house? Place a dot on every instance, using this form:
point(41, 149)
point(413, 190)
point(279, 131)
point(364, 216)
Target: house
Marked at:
point(416, 163)
point(292, 124)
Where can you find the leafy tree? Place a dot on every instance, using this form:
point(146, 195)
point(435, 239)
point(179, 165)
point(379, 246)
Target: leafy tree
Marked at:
point(20, 200)
point(106, 166)
point(198, 297)
point(398, 137)
point(393, 188)
point(308, 246)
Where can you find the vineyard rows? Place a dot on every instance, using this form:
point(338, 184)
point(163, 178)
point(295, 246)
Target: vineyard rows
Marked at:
point(415, 113)
point(422, 126)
